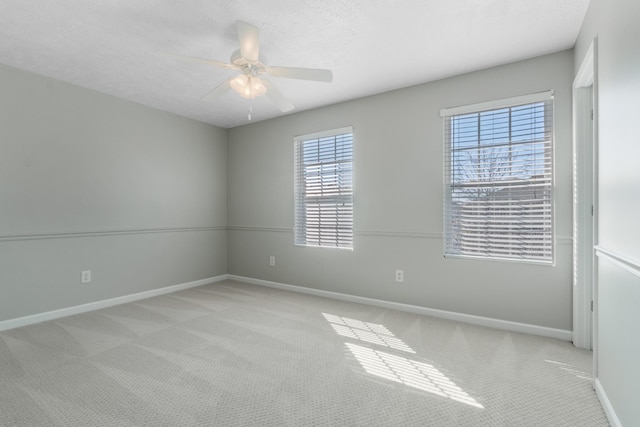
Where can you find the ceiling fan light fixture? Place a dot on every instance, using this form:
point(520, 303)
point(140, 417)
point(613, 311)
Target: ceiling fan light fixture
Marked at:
point(248, 84)
point(248, 87)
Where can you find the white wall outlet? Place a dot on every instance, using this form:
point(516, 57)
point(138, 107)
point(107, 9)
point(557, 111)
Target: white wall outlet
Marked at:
point(86, 276)
point(399, 275)
point(272, 261)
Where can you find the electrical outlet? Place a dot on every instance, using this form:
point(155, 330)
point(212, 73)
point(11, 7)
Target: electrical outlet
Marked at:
point(86, 276)
point(399, 275)
point(272, 261)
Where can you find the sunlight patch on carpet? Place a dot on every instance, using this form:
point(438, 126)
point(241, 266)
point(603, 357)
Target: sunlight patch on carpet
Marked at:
point(365, 331)
point(412, 373)
point(392, 367)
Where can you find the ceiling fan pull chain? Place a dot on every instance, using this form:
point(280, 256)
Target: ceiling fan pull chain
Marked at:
point(250, 111)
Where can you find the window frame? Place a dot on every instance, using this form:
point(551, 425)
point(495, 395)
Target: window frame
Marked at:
point(448, 115)
point(301, 229)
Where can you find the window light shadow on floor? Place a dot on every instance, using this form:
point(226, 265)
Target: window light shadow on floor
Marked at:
point(571, 370)
point(365, 331)
point(392, 367)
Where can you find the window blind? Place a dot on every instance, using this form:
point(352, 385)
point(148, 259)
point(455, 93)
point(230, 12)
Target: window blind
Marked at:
point(498, 200)
point(324, 189)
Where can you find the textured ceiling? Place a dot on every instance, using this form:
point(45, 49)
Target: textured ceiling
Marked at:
point(130, 48)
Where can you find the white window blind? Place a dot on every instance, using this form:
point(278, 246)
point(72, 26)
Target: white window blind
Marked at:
point(324, 189)
point(498, 200)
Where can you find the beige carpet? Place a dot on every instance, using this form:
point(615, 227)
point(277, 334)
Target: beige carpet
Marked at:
point(236, 354)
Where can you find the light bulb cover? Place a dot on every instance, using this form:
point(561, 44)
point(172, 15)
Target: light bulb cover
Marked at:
point(239, 83)
point(247, 86)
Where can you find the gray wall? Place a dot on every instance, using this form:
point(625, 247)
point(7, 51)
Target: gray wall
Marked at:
point(616, 24)
point(92, 182)
point(398, 202)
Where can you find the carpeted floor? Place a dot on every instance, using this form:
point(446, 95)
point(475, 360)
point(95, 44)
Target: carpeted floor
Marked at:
point(235, 354)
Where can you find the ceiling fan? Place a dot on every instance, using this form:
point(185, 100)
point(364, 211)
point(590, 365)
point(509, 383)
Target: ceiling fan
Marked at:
point(249, 83)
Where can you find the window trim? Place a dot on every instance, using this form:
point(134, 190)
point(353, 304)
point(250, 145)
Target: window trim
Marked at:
point(445, 113)
point(298, 140)
point(498, 103)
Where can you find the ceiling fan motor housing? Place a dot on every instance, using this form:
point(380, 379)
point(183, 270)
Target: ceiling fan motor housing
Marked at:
point(251, 68)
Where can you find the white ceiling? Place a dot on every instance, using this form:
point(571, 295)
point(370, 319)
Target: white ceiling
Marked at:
point(127, 48)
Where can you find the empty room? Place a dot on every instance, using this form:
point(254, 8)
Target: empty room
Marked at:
point(340, 213)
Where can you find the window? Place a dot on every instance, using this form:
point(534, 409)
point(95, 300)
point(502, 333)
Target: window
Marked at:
point(498, 169)
point(324, 189)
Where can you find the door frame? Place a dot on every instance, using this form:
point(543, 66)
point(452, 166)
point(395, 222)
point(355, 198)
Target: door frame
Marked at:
point(585, 199)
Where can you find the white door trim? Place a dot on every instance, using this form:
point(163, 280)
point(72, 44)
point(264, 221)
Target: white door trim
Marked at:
point(584, 209)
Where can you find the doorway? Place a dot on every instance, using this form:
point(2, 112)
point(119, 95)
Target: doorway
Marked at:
point(585, 206)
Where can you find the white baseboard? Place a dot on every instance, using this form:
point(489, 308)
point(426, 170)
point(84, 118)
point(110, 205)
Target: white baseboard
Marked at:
point(449, 315)
point(606, 405)
point(56, 314)
point(459, 317)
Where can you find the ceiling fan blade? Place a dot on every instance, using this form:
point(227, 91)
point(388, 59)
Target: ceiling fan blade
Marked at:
point(218, 91)
point(277, 97)
point(301, 73)
point(249, 43)
point(206, 61)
